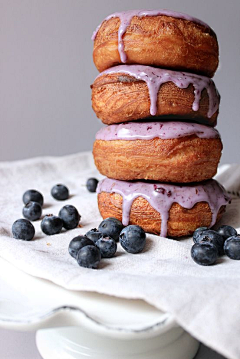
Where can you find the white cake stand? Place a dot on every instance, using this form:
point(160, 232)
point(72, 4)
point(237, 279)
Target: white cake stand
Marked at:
point(76, 325)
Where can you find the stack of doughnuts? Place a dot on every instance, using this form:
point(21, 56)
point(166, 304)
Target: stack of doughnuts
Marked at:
point(160, 149)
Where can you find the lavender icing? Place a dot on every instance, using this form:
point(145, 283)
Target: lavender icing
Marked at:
point(126, 17)
point(155, 77)
point(161, 196)
point(150, 130)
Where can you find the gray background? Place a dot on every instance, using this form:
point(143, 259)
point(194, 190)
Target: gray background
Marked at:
point(46, 69)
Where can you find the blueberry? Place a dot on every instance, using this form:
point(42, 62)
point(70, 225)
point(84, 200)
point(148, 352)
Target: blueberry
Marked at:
point(70, 216)
point(51, 225)
point(204, 254)
point(211, 237)
point(227, 231)
point(107, 246)
point(92, 184)
point(111, 227)
point(77, 243)
point(93, 234)
point(60, 192)
point(89, 257)
point(198, 231)
point(32, 211)
point(34, 196)
point(23, 229)
point(232, 247)
point(133, 239)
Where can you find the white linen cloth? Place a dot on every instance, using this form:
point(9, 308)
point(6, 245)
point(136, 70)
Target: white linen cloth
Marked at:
point(204, 300)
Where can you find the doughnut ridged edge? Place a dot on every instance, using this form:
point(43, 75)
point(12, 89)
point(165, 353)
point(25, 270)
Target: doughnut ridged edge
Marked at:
point(180, 160)
point(181, 222)
point(120, 98)
point(161, 41)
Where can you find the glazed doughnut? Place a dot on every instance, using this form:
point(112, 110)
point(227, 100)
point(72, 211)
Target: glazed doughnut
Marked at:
point(159, 38)
point(161, 151)
point(132, 92)
point(169, 210)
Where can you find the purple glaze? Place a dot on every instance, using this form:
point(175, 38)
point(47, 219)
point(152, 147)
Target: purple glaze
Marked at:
point(126, 17)
point(161, 196)
point(155, 77)
point(149, 130)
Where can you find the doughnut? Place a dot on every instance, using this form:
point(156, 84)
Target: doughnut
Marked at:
point(165, 209)
point(132, 92)
point(178, 152)
point(159, 38)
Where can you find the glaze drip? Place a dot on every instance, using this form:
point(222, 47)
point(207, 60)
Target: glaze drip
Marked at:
point(149, 130)
point(126, 17)
point(155, 77)
point(161, 196)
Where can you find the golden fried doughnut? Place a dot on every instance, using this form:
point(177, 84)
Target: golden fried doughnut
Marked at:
point(168, 151)
point(156, 38)
point(146, 209)
point(128, 93)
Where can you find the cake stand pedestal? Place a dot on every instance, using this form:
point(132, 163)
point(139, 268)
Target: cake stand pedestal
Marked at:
point(80, 325)
point(79, 343)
